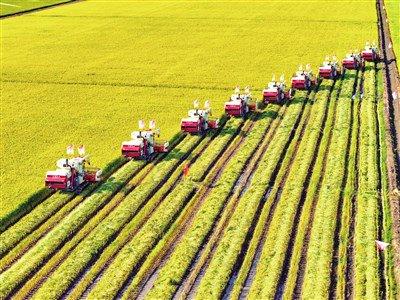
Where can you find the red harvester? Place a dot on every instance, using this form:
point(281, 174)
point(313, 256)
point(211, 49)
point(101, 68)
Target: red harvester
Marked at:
point(72, 174)
point(275, 92)
point(370, 52)
point(353, 61)
point(142, 144)
point(240, 104)
point(198, 120)
point(330, 69)
point(303, 79)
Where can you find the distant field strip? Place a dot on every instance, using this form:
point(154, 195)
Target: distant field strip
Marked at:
point(13, 7)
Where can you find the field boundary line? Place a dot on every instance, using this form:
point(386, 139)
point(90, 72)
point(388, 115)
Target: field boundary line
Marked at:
point(36, 9)
point(391, 82)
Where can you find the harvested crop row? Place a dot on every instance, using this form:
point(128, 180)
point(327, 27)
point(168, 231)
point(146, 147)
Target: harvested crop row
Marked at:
point(113, 222)
point(342, 281)
point(210, 154)
point(319, 254)
point(293, 270)
point(241, 226)
point(366, 271)
point(239, 182)
point(28, 263)
point(136, 250)
point(175, 269)
point(46, 271)
point(270, 263)
point(149, 270)
point(31, 221)
point(25, 233)
point(245, 265)
point(196, 272)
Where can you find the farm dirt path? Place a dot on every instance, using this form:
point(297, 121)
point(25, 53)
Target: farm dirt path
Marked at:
point(392, 107)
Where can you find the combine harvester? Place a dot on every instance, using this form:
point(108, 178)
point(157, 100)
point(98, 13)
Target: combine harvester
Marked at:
point(353, 61)
point(304, 79)
point(198, 120)
point(72, 174)
point(239, 105)
point(276, 92)
point(330, 69)
point(370, 53)
point(142, 145)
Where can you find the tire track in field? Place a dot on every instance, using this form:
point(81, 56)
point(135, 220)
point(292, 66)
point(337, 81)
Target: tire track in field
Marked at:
point(73, 238)
point(152, 274)
point(273, 191)
point(60, 260)
point(39, 230)
point(190, 285)
point(336, 236)
point(349, 270)
point(306, 185)
point(306, 241)
point(131, 235)
point(240, 186)
point(380, 235)
point(392, 121)
point(34, 200)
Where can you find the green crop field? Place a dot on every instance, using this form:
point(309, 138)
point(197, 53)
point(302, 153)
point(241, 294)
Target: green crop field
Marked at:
point(13, 6)
point(69, 80)
point(287, 202)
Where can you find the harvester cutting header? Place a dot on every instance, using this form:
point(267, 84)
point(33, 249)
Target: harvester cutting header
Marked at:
point(276, 92)
point(72, 173)
point(198, 120)
point(330, 69)
point(370, 52)
point(142, 144)
point(303, 79)
point(239, 105)
point(353, 61)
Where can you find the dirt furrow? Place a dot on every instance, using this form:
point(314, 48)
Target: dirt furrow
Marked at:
point(225, 152)
point(43, 228)
point(275, 200)
point(242, 184)
point(349, 270)
point(336, 236)
point(147, 284)
point(41, 273)
point(299, 210)
point(392, 120)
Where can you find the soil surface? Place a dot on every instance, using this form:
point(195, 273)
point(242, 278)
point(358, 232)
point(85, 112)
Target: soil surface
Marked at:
point(392, 107)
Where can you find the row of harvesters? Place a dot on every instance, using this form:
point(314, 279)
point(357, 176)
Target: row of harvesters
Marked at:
point(73, 174)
